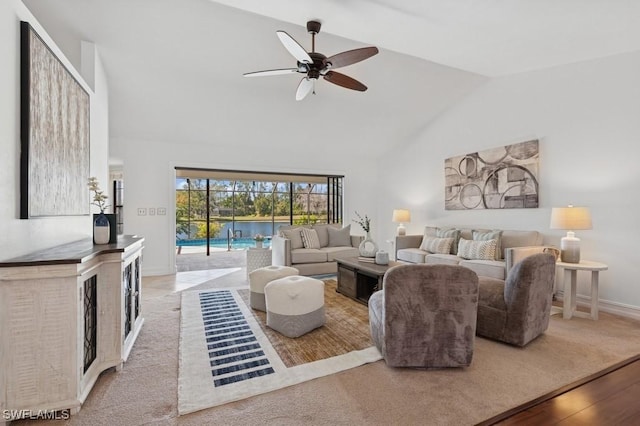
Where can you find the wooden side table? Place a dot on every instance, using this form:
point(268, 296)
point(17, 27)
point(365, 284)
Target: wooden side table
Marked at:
point(570, 281)
point(257, 258)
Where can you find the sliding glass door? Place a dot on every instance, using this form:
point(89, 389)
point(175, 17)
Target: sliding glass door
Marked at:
point(214, 212)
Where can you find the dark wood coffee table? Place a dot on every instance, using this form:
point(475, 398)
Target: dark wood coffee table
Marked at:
point(358, 280)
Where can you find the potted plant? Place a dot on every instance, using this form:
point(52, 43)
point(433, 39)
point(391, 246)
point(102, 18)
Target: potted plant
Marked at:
point(103, 225)
point(258, 238)
point(368, 247)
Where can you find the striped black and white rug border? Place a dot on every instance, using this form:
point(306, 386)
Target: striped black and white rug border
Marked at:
point(234, 351)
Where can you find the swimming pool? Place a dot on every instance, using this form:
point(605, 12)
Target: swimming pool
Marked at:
point(236, 243)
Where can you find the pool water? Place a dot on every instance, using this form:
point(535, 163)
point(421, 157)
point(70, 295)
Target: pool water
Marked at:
point(236, 243)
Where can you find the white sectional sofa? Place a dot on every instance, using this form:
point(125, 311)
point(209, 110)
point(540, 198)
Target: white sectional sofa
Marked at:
point(289, 249)
point(511, 246)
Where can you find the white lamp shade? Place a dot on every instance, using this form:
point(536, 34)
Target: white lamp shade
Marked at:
point(401, 216)
point(571, 218)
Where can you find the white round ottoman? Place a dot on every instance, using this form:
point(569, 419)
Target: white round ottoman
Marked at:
point(295, 305)
point(263, 276)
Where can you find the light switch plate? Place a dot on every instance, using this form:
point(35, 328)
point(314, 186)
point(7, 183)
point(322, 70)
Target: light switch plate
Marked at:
point(152, 211)
point(161, 211)
point(142, 211)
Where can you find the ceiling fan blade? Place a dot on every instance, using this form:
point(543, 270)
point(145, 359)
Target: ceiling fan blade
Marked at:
point(304, 88)
point(344, 81)
point(294, 48)
point(351, 56)
point(270, 72)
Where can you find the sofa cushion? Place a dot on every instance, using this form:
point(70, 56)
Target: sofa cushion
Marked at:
point(442, 259)
point(339, 237)
point(334, 253)
point(521, 239)
point(484, 235)
point(412, 255)
point(310, 238)
point(492, 308)
point(304, 255)
point(430, 231)
point(295, 236)
point(491, 293)
point(483, 250)
point(323, 234)
point(450, 233)
point(486, 268)
point(436, 245)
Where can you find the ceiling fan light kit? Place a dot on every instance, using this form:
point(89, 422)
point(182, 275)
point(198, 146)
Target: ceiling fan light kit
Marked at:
point(316, 65)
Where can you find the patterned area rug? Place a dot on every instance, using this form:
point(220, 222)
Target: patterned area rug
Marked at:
point(225, 354)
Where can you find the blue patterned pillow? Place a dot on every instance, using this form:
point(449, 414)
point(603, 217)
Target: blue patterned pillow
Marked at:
point(490, 235)
point(436, 245)
point(477, 250)
point(450, 233)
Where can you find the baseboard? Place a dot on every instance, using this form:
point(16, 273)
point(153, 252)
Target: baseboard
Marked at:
point(607, 306)
point(152, 272)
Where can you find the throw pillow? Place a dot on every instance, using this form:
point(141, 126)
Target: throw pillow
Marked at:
point(340, 237)
point(323, 234)
point(495, 234)
point(477, 250)
point(436, 245)
point(450, 233)
point(310, 238)
point(295, 236)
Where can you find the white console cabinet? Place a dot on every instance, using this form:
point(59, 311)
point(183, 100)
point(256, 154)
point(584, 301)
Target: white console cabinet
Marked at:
point(66, 314)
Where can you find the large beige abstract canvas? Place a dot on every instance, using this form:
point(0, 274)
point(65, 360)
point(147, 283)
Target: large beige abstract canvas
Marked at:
point(54, 134)
point(497, 178)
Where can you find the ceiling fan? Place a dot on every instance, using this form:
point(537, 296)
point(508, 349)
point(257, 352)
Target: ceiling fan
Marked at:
point(315, 64)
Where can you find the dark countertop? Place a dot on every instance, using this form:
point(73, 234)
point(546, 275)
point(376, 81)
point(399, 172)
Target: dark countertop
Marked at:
point(74, 252)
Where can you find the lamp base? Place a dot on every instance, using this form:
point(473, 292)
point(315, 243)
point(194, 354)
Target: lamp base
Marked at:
point(401, 230)
point(570, 248)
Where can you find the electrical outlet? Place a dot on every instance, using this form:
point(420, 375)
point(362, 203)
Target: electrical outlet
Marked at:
point(161, 211)
point(142, 211)
point(152, 211)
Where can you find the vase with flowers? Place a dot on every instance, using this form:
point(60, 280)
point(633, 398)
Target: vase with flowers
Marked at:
point(259, 239)
point(101, 224)
point(368, 247)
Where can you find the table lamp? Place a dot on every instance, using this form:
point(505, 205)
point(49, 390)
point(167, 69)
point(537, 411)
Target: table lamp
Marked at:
point(570, 218)
point(401, 216)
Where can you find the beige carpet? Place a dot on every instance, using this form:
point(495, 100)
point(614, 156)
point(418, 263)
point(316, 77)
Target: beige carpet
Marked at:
point(500, 377)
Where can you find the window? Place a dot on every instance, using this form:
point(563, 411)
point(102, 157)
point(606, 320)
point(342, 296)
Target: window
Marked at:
point(223, 208)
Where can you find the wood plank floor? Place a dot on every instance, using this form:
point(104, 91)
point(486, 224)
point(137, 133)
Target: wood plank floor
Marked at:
point(609, 399)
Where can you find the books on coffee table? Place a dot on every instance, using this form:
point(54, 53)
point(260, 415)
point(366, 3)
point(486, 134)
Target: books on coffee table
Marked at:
point(366, 259)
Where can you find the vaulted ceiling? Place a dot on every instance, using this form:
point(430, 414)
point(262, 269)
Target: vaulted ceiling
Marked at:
point(174, 67)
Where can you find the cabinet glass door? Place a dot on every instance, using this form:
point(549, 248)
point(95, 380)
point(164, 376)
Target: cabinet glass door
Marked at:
point(127, 283)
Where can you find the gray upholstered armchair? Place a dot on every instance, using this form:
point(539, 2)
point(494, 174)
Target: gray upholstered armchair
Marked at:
point(425, 316)
point(517, 310)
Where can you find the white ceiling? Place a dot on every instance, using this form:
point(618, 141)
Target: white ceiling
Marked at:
point(488, 37)
point(174, 67)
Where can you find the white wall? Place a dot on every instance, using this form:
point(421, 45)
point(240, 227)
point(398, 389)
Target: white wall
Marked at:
point(18, 236)
point(149, 180)
point(93, 71)
point(586, 117)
